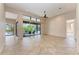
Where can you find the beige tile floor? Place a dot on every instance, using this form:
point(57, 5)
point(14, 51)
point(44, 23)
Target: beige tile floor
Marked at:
point(39, 45)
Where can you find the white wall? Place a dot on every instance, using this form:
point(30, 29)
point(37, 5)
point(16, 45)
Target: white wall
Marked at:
point(77, 22)
point(56, 26)
point(77, 26)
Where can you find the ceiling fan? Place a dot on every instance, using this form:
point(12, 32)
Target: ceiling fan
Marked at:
point(45, 16)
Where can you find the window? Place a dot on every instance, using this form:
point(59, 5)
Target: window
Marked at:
point(26, 18)
point(9, 29)
point(38, 20)
point(31, 26)
point(33, 19)
point(31, 29)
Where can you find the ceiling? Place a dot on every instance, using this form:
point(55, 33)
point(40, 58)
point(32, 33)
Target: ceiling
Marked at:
point(10, 15)
point(51, 9)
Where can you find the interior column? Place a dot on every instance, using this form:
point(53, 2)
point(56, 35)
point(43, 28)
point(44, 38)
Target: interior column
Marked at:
point(77, 26)
point(43, 26)
point(20, 27)
point(2, 27)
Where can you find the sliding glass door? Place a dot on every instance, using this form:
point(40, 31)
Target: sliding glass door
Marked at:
point(31, 29)
point(31, 26)
point(9, 29)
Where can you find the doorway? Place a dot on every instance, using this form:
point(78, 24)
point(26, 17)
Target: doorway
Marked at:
point(70, 28)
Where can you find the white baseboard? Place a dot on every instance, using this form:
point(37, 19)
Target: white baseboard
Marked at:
point(56, 36)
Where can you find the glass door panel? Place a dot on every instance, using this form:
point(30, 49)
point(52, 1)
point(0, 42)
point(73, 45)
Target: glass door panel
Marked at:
point(31, 29)
point(9, 29)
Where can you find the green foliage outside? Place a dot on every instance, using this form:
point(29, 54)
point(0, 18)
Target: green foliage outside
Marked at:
point(9, 28)
point(29, 28)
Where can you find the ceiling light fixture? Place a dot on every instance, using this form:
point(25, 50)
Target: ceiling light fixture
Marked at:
point(45, 16)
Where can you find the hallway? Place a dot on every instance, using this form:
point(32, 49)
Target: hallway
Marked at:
point(39, 45)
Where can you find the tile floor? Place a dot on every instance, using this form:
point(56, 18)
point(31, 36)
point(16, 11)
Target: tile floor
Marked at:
point(39, 45)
